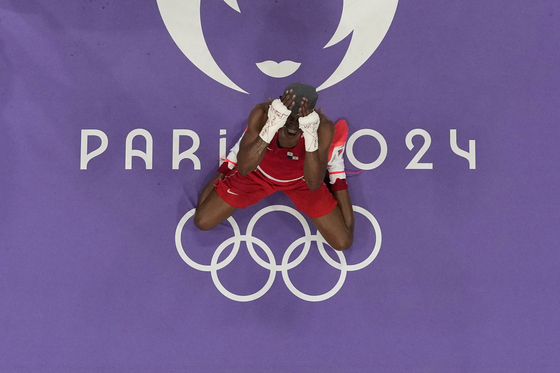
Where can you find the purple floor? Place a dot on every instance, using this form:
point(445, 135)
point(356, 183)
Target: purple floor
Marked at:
point(114, 115)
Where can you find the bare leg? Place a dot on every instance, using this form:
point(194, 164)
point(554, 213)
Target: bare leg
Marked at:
point(337, 227)
point(211, 209)
point(208, 188)
point(345, 205)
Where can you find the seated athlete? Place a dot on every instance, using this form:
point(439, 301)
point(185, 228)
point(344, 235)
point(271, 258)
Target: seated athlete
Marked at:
point(287, 146)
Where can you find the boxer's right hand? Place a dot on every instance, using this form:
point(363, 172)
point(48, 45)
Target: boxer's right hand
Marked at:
point(288, 99)
point(278, 112)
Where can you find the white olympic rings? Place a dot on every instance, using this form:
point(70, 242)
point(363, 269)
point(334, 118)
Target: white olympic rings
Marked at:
point(271, 265)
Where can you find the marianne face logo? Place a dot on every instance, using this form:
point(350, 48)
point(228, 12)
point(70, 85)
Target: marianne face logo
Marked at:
point(275, 39)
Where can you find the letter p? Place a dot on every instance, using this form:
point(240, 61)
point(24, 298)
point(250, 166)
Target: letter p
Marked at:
point(85, 157)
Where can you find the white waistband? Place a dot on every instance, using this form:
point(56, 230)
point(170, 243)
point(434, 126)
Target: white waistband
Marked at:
point(275, 179)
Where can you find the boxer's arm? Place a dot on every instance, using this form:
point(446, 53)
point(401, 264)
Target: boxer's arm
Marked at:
point(315, 164)
point(252, 147)
point(264, 122)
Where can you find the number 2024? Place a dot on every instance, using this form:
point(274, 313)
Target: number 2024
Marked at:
point(414, 164)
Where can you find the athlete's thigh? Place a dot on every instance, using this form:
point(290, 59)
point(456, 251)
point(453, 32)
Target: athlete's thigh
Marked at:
point(313, 203)
point(212, 211)
point(334, 230)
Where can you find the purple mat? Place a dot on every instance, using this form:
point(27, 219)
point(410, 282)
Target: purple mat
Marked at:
point(114, 114)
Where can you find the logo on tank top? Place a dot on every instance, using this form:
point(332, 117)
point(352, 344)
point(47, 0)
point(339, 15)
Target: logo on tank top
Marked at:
point(292, 156)
point(277, 50)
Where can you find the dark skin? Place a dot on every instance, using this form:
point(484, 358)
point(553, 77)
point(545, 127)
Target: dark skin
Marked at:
point(253, 147)
point(337, 226)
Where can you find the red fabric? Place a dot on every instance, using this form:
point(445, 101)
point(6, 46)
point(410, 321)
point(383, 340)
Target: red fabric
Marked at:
point(339, 184)
point(224, 169)
point(242, 191)
point(284, 163)
point(340, 135)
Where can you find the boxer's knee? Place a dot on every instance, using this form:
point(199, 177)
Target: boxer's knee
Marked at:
point(203, 221)
point(342, 242)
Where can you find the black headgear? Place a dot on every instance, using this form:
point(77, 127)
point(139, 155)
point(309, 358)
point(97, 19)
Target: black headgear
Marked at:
point(303, 90)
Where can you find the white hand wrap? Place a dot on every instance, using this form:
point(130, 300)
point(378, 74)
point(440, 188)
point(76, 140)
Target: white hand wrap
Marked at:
point(277, 115)
point(309, 126)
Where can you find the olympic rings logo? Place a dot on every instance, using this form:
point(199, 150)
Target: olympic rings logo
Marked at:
point(271, 265)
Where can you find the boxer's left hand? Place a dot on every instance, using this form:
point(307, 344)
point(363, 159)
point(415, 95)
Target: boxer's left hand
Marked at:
point(309, 123)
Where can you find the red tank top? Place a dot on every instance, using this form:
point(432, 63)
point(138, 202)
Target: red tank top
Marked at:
point(283, 164)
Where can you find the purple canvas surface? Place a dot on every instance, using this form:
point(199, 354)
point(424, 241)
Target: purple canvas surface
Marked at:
point(92, 276)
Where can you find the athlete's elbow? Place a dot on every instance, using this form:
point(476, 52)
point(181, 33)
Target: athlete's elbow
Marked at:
point(244, 171)
point(244, 168)
point(313, 185)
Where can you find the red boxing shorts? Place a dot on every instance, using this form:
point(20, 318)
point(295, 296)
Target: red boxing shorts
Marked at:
point(242, 191)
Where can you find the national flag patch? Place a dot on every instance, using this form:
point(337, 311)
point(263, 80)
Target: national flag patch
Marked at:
point(292, 156)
